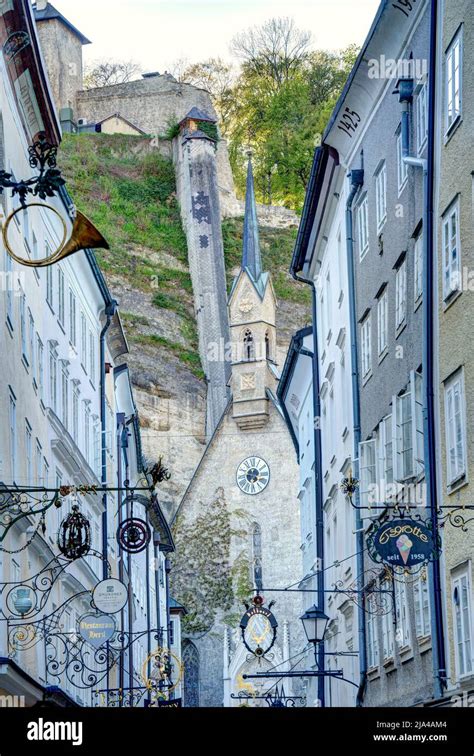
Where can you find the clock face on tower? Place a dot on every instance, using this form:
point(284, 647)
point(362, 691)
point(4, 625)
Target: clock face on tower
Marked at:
point(253, 475)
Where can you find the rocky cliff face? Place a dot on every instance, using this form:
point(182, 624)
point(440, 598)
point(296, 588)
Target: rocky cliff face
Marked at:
point(128, 189)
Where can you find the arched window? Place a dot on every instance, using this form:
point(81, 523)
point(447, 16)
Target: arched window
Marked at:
point(249, 346)
point(191, 674)
point(268, 350)
point(257, 575)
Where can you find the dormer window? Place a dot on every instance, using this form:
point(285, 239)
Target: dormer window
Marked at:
point(249, 346)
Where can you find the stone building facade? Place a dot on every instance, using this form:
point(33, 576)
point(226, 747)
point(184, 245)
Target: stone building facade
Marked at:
point(387, 212)
point(248, 479)
point(455, 255)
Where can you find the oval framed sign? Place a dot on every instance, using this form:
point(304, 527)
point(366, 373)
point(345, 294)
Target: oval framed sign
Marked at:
point(402, 543)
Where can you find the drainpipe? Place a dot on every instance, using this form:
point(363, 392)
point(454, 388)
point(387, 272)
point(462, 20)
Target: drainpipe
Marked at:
point(356, 177)
point(119, 434)
point(109, 312)
point(429, 416)
point(320, 658)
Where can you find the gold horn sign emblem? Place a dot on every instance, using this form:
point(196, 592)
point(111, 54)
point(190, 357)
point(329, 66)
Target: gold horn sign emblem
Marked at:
point(84, 236)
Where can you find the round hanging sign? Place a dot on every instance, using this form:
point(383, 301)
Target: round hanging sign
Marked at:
point(97, 629)
point(110, 596)
point(402, 543)
point(133, 535)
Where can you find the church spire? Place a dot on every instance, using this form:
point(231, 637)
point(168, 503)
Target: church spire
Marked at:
point(251, 260)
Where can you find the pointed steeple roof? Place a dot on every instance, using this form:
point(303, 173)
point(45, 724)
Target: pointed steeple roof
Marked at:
point(251, 259)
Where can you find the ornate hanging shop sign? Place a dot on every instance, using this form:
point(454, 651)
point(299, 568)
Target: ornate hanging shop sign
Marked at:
point(47, 182)
point(97, 629)
point(259, 628)
point(403, 543)
point(110, 596)
point(162, 671)
point(74, 536)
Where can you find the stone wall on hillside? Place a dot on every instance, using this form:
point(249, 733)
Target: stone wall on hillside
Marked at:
point(153, 104)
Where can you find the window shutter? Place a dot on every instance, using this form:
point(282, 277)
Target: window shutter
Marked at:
point(416, 391)
point(396, 437)
point(367, 468)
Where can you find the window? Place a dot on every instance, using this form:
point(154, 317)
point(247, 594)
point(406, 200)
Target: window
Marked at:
point(72, 318)
point(257, 578)
point(401, 295)
point(61, 296)
point(328, 306)
point(87, 431)
point(53, 377)
point(9, 283)
point(13, 439)
point(64, 393)
point(368, 472)
point(403, 621)
point(405, 437)
point(249, 348)
point(39, 463)
point(386, 449)
point(97, 448)
point(451, 251)
point(382, 323)
point(363, 227)
point(46, 471)
point(409, 429)
point(75, 411)
point(40, 364)
point(24, 347)
point(455, 427)
point(381, 197)
point(92, 357)
point(31, 346)
point(461, 597)
point(422, 118)
point(418, 267)
point(267, 346)
point(366, 350)
point(34, 246)
point(402, 168)
point(49, 282)
point(172, 633)
point(83, 341)
point(422, 607)
point(387, 625)
point(453, 81)
point(28, 454)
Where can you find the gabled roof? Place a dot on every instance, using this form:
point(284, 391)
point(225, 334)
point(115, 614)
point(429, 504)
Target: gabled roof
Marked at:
point(122, 118)
point(50, 12)
point(175, 606)
point(198, 115)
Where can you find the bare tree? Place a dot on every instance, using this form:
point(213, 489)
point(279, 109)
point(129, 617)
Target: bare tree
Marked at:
point(275, 50)
point(104, 73)
point(218, 78)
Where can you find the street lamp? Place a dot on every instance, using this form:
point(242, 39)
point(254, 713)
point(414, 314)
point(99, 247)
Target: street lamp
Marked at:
point(315, 622)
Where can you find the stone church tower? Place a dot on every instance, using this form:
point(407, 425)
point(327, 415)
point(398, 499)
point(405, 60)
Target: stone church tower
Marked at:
point(237, 528)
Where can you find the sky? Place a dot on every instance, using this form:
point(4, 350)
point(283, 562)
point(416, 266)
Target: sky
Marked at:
point(155, 33)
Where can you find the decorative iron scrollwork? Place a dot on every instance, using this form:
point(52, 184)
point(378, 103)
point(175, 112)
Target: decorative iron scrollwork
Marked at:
point(42, 156)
